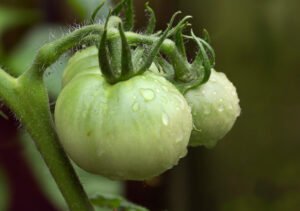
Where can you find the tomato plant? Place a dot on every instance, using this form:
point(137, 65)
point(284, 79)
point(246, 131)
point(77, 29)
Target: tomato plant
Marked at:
point(124, 110)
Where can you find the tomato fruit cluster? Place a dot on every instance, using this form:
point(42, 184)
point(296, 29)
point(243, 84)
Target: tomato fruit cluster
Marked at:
point(127, 113)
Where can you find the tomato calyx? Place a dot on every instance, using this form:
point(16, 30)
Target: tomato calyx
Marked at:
point(179, 71)
point(115, 69)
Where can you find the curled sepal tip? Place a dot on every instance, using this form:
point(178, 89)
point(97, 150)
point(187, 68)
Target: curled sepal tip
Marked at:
point(92, 19)
point(179, 43)
point(129, 13)
point(152, 22)
point(202, 56)
point(154, 50)
point(180, 26)
point(126, 60)
point(129, 16)
point(206, 36)
point(118, 8)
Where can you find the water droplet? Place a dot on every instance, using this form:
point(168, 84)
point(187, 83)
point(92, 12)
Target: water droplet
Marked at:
point(206, 110)
point(213, 80)
point(230, 106)
point(221, 108)
point(177, 108)
point(203, 92)
point(233, 93)
point(179, 138)
point(135, 106)
point(100, 152)
point(214, 92)
point(157, 90)
point(165, 119)
point(134, 97)
point(148, 94)
point(165, 88)
point(220, 100)
point(89, 133)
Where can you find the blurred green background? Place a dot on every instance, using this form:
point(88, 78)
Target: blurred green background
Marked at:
point(255, 167)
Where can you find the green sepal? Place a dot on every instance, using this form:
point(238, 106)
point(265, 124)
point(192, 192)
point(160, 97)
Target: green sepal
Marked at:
point(114, 46)
point(126, 60)
point(152, 22)
point(137, 56)
point(129, 13)
point(92, 19)
point(129, 16)
point(154, 50)
point(206, 36)
point(207, 47)
point(204, 57)
point(181, 25)
point(103, 56)
point(118, 8)
point(166, 67)
point(179, 43)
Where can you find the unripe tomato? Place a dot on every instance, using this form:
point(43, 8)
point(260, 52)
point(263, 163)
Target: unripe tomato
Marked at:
point(215, 107)
point(133, 130)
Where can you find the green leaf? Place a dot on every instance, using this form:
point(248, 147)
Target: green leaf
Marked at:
point(11, 17)
point(114, 201)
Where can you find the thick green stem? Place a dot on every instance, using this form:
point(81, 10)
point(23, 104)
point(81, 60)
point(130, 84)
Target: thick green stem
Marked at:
point(50, 52)
point(34, 113)
point(27, 97)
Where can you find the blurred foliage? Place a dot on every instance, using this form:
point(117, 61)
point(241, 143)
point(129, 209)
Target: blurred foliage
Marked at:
point(93, 184)
point(4, 191)
point(114, 201)
point(26, 50)
point(85, 8)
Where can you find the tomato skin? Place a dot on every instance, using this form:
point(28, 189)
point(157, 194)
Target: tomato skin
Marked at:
point(215, 107)
point(131, 130)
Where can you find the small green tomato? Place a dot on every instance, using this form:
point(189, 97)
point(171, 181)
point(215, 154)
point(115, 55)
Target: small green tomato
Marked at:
point(215, 107)
point(131, 130)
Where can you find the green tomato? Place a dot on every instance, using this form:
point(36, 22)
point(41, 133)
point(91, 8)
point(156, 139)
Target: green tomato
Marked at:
point(215, 107)
point(132, 130)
